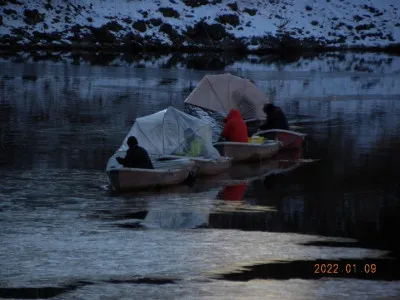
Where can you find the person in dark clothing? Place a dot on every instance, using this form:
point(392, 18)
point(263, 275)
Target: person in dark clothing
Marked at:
point(136, 156)
point(276, 119)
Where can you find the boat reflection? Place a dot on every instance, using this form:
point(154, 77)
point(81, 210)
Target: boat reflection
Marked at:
point(284, 161)
point(244, 198)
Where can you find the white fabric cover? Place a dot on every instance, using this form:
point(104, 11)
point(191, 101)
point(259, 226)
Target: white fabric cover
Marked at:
point(163, 133)
point(224, 92)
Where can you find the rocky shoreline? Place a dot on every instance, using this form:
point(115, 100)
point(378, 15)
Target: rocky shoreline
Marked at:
point(157, 35)
point(285, 47)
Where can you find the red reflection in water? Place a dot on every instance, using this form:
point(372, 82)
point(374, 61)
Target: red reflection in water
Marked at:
point(234, 192)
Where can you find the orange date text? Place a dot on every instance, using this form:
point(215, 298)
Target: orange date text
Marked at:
point(335, 268)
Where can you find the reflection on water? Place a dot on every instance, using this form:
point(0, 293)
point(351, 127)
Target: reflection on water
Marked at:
point(63, 229)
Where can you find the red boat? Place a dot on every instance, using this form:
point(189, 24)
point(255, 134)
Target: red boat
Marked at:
point(288, 139)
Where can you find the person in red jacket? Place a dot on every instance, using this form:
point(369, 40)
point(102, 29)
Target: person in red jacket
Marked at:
point(235, 129)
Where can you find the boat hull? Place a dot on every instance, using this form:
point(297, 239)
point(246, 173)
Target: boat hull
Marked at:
point(247, 152)
point(125, 179)
point(288, 139)
point(206, 166)
point(164, 174)
point(213, 167)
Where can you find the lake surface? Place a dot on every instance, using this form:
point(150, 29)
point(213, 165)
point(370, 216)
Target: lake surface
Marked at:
point(65, 235)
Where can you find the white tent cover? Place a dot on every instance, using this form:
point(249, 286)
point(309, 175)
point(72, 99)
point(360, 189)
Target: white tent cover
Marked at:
point(224, 92)
point(163, 133)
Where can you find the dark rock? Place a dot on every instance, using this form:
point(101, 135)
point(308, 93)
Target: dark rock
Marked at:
point(132, 42)
point(1, 20)
point(156, 22)
point(251, 12)
point(254, 41)
point(5, 2)
point(9, 11)
point(145, 280)
point(90, 19)
point(140, 25)
point(233, 6)
point(339, 25)
point(101, 59)
point(195, 3)
point(229, 19)
point(20, 32)
point(76, 28)
point(49, 37)
point(173, 35)
point(205, 62)
point(286, 47)
point(169, 12)
point(145, 14)
point(173, 61)
point(308, 8)
point(166, 28)
point(48, 6)
point(371, 9)
point(113, 26)
point(357, 18)
point(364, 27)
point(234, 45)
point(39, 292)
point(127, 20)
point(314, 23)
point(203, 30)
point(33, 16)
point(102, 34)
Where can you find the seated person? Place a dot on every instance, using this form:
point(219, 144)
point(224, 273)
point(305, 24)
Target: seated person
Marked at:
point(276, 119)
point(136, 156)
point(235, 129)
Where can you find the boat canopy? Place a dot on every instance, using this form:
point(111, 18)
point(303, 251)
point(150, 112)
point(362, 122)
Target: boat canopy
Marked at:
point(173, 132)
point(224, 92)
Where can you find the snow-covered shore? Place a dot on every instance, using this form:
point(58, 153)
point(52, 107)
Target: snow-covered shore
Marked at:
point(193, 25)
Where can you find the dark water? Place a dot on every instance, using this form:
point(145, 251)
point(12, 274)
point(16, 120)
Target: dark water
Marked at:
point(65, 235)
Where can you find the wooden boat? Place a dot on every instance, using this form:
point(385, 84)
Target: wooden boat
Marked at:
point(280, 163)
point(165, 173)
point(206, 166)
point(288, 139)
point(248, 151)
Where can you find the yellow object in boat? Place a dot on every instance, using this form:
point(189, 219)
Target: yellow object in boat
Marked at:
point(256, 139)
